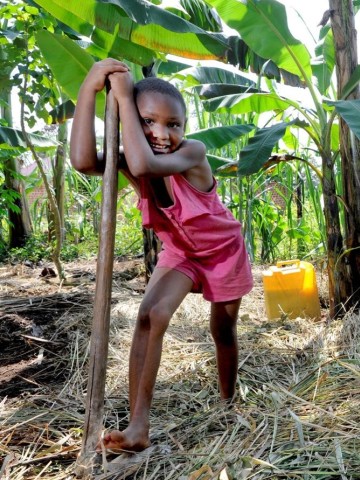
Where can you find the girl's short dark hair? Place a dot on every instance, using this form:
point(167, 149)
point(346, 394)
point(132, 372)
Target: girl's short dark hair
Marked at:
point(158, 85)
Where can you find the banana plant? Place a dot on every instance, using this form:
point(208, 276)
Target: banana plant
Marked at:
point(141, 32)
point(263, 26)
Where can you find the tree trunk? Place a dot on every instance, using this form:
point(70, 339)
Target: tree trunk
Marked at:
point(343, 26)
point(337, 270)
point(56, 248)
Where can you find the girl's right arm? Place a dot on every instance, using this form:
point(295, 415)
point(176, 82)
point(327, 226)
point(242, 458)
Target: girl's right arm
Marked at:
point(83, 154)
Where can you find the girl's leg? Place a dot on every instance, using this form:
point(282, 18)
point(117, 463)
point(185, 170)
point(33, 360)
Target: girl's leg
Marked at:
point(164, 293)
point(223, 321)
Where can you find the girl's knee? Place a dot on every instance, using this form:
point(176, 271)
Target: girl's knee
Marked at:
point(154, 317)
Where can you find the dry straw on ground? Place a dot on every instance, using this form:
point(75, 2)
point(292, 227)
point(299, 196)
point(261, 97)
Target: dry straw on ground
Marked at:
point(297, 414)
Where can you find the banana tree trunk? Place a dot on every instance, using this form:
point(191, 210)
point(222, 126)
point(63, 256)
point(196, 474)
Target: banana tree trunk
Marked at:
point(343, 26)
point(337, 270)
point(101, 318)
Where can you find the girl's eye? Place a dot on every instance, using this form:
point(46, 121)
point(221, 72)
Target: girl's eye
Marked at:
point(147, 121)
point(174, 125)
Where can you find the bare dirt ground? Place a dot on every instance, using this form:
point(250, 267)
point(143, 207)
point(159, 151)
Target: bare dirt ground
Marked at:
point(285, 366)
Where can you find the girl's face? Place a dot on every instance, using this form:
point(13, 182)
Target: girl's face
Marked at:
point(163, 121)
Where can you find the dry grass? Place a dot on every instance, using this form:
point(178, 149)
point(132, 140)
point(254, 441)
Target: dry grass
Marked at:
point(297, 415)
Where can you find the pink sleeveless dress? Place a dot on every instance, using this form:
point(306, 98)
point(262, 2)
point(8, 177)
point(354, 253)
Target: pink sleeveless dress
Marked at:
point(200, 238)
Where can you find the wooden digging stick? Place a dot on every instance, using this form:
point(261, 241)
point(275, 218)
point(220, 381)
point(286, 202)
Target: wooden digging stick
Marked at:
point(102, 302)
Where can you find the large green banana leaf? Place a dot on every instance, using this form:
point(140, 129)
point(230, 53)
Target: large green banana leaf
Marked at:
point(212, 82)
point(104, 44)
point(263, 27)
point(140, 23)
point(213, 90)
point(169, 33)
point(324, 62)
point(260, 146)
point(13, 138)
point(249, 102)
point(210, 75)
point(218, 137)
point(69, 63)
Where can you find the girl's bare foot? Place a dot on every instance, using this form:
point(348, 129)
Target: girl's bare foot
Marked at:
point(130, 439)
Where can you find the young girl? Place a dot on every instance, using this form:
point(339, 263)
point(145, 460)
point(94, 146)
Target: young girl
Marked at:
point(202, 247)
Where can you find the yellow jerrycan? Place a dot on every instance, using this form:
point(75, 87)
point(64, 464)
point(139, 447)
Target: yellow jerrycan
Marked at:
point(290, 288)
